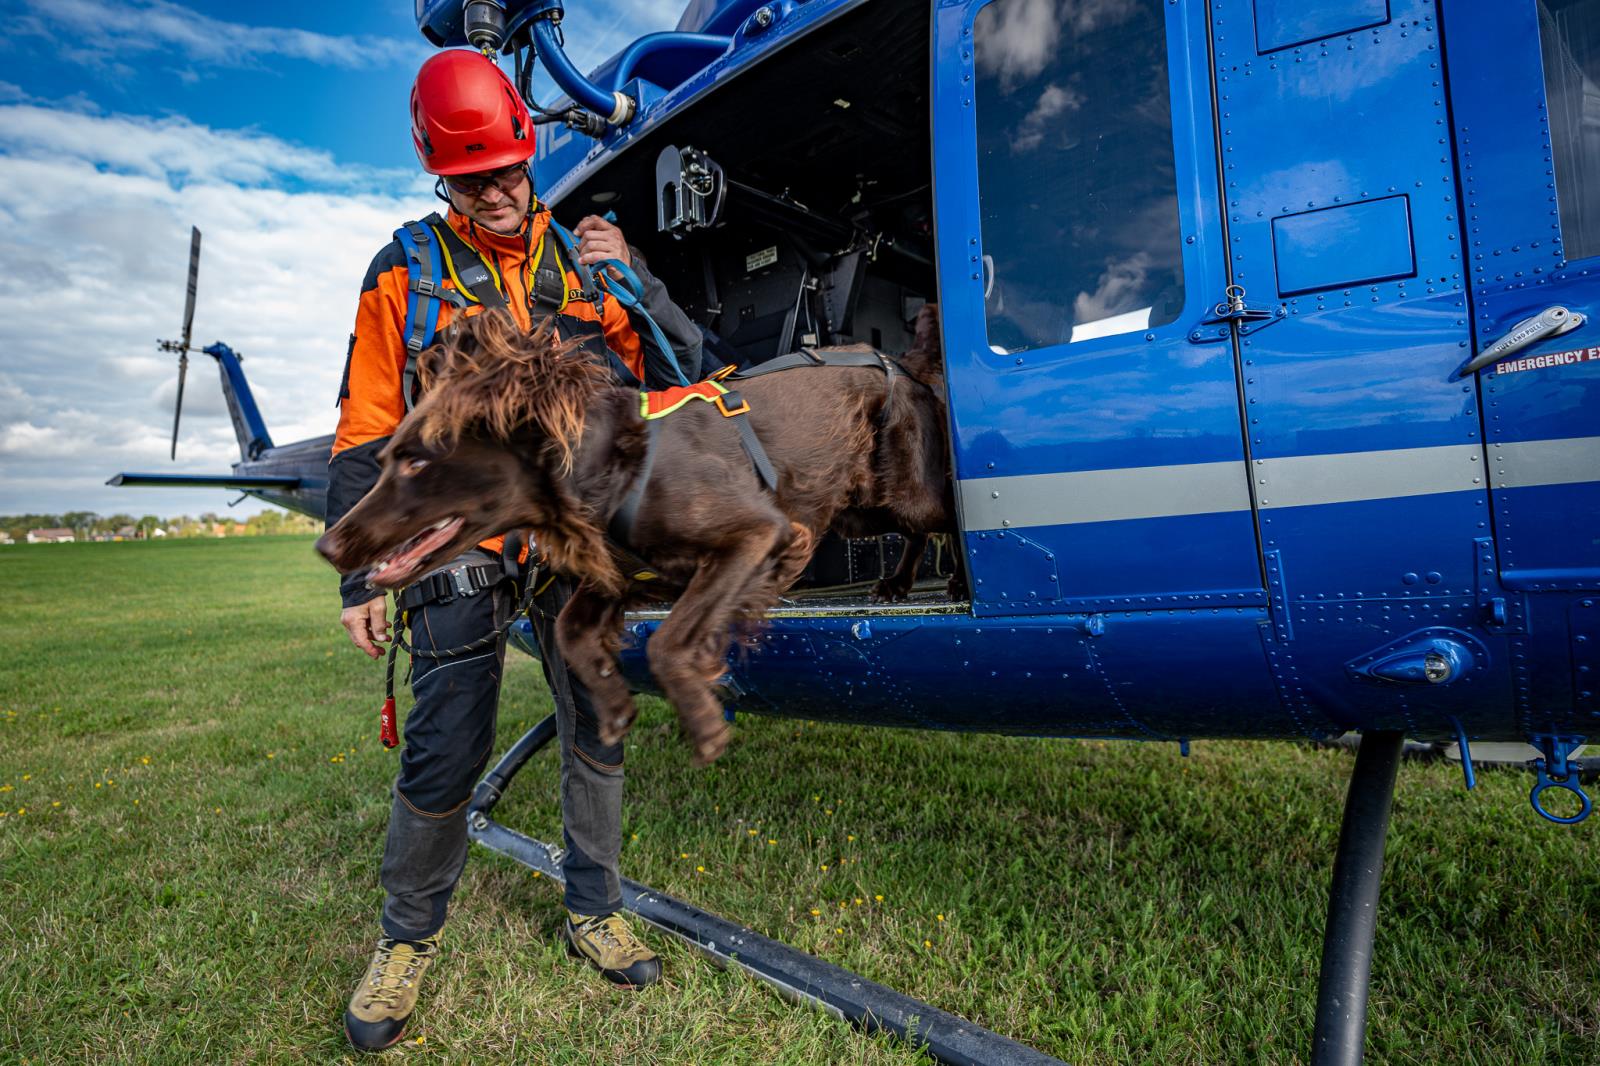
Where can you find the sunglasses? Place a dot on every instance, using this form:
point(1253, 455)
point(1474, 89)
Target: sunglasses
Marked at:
point(505, 179)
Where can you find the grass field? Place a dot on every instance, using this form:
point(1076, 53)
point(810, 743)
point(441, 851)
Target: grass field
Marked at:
point(195, 800)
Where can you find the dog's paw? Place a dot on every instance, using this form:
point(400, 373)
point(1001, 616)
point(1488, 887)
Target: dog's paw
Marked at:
point(890, 591)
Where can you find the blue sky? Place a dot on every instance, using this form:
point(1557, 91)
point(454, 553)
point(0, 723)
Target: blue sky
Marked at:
point(282, 131)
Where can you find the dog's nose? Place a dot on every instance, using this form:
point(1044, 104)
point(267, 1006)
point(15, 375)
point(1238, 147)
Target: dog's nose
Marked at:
point(328, 545)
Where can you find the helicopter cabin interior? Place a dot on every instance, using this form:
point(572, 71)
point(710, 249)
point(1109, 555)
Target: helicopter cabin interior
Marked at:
point(807, 220)
point(795, 207)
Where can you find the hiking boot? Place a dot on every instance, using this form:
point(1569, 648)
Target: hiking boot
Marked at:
point(386, 996)
point(607, 944)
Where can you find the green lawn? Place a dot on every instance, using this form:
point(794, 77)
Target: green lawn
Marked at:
point(195, 800)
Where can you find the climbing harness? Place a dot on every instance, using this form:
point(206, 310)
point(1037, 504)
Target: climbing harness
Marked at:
point(467, 579)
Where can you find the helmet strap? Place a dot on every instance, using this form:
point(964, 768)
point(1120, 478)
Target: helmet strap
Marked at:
point(440, 191)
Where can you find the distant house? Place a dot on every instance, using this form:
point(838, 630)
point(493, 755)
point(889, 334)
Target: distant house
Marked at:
point(158, 532)
point(50, 536)
point(127, 533)
point(5, 538)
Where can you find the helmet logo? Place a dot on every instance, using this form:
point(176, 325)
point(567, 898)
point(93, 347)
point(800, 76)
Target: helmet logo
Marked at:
point(474, 147)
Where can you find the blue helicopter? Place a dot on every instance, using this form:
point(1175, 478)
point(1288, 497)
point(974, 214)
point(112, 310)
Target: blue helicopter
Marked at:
point(290, 475)
point(1272, 366)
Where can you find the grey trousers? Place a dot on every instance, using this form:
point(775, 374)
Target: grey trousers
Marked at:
point(449, 738)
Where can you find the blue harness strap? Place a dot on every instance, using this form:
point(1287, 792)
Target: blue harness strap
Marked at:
point(423, 268)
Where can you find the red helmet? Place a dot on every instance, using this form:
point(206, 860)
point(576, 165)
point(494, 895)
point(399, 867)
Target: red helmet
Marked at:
point(466, 116)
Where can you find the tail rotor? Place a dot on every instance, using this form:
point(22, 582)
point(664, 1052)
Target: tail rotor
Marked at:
point(182, 347)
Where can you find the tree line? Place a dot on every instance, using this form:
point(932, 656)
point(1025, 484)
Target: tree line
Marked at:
point(87, 525)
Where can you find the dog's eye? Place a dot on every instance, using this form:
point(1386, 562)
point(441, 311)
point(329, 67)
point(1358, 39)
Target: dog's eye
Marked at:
point(413, 467)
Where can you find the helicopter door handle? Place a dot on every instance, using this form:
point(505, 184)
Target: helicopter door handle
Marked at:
point(1551, 322)
point(988, 276)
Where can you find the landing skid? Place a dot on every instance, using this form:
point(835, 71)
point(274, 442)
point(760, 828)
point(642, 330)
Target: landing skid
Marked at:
point(797, 976)
point(1340, 1033)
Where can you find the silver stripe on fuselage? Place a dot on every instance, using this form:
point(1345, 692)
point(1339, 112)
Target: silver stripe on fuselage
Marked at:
point(1351, 477)
point(1078, 496)
point(1530, 463)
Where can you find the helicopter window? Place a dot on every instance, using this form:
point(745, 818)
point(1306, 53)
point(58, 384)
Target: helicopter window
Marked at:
point(1569, 34)
point(1075, 171)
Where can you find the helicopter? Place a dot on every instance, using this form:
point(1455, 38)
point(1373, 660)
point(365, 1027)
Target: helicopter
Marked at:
point(1271, 361)
point(293, 475)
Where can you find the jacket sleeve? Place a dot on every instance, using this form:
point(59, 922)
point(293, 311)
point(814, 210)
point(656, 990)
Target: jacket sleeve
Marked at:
point(679, 329)
point(370, 403)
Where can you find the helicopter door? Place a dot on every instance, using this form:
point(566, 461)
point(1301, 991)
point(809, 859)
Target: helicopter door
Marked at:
point(1529, 146)
point(1097, 437)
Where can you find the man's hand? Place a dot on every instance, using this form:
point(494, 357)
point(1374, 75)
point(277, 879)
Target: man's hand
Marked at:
point(366, 624)
point(599, 240)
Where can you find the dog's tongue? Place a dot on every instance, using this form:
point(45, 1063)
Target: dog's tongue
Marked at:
point(401, 565)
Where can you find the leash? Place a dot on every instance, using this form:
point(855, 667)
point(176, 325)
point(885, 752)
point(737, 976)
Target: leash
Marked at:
point(629, 292)
point(388, 723)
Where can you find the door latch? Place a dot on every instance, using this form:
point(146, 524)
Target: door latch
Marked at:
point(1551, 322)
point(1233, 310)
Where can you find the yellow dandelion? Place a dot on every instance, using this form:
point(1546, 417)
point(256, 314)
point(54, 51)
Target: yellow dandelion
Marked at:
point(145, 760)
point(271, 756)
point(57, 803)
point(878, 898)
point(940, 917)
point(97, 784)
point(27, 777)
point(420, 1039)
point(636, 836)
point(4, 813)
point(136, 803)
point(772, 840)
point(111, 780)
point(824, 866)
point(536, 873)
point(828, 810)
point(843, 904)
point(22, 810)
point(752, 832)
point(838, 929)
point(5, 788)
point(700, 869)
point(927, 943)
point(683, 854)
point(816, 799)
point(859, 901)
point(850, 837)
point(216, 810)
point(815, 913)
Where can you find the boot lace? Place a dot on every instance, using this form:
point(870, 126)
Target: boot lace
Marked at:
point(393, 969)
point(612, 931)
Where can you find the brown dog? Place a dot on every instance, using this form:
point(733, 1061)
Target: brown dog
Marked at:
point(515, 432)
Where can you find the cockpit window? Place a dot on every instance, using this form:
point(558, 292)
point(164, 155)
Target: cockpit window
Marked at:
point(1076, 177)
point(1569, 36)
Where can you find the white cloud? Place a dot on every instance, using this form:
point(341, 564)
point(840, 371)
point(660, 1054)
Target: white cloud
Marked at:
point(97, 31)
point(1122, 286)
point(94, 236)
point(1053, 102)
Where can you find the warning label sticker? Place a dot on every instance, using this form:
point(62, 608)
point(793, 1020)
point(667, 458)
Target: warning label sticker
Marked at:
point(1544, 362)
point(764, 258)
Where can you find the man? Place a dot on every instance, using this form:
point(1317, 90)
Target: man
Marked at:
point(500, 255)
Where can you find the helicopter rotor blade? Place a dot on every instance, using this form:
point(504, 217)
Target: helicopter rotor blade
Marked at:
point(177, 409)
point(188, 307)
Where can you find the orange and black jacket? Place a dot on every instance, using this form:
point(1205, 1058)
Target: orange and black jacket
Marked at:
point(371, 402)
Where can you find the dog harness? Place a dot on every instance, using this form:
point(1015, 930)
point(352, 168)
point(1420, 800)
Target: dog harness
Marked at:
point(657, 405)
